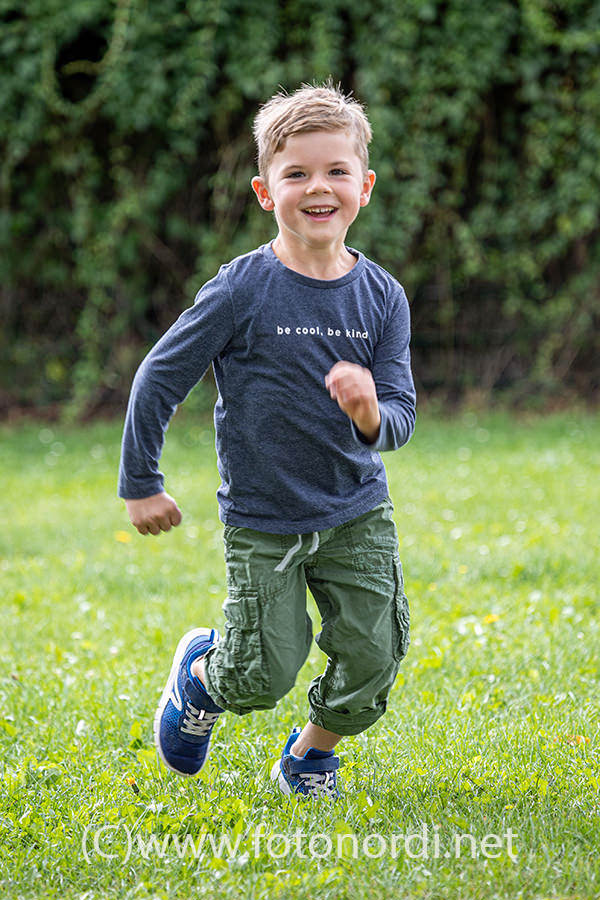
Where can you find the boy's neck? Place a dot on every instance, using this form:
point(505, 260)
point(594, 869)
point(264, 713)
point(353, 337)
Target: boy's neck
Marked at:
point(325, 265)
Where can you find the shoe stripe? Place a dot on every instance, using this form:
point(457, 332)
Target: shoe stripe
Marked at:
point(175, 697)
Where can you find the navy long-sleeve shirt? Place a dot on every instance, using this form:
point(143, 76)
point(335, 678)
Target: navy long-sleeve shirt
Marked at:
point(290, 460)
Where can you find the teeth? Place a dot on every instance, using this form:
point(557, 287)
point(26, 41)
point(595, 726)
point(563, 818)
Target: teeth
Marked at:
point(320, 209)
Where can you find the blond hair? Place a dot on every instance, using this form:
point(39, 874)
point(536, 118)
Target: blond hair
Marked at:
point(310, 108)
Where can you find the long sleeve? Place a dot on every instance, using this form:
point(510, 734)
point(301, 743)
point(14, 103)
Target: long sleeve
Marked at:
point(165, 378)
point(393, 380)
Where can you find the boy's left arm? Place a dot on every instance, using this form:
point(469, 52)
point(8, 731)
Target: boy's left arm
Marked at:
point(380, 402)
point(354, 389)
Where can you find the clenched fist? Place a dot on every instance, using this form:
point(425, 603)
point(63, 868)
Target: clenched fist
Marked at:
point(153, 514)
point(353, 388)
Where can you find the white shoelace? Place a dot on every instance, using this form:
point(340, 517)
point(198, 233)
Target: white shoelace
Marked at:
point(320, 784)
point(198, 721)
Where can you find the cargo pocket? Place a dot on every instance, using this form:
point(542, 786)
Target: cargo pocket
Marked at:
point(401, 615)
point(371, 565)
point(245, 652)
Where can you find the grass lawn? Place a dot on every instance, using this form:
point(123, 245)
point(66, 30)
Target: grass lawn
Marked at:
point(481, 781)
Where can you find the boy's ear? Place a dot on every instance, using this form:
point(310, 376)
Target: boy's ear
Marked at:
point(261, 190)
point(368, 182)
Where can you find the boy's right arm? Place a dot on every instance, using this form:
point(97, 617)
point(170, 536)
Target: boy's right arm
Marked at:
point(164, 379)
point(153, 514)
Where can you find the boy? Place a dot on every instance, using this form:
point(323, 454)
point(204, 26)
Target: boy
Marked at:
point(309, 343)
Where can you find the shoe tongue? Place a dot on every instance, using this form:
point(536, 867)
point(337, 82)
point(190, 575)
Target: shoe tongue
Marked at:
point(197, 689)
point(317, 754)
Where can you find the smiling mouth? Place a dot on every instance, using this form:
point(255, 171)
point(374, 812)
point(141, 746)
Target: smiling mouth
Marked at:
point(320, 212)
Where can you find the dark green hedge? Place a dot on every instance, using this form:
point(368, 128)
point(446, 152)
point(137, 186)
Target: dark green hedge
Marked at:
point(127, 155)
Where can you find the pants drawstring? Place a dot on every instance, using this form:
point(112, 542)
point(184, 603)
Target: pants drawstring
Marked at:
point(282, 566)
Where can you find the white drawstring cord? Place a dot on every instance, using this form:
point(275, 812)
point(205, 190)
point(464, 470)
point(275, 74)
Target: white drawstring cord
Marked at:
point(282, 566)
point(291, 552)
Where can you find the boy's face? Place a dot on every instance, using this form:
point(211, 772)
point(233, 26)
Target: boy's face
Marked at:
point(315, 187)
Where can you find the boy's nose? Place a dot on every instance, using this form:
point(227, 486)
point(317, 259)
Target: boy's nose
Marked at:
point(318, 185)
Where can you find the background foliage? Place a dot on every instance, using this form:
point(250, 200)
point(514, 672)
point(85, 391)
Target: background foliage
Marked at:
point(127, 154)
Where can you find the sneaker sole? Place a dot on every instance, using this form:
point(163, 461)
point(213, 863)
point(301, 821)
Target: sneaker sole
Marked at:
point(276, 775)
point(179, 654)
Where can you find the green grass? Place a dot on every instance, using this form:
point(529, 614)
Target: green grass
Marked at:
point(492, 724)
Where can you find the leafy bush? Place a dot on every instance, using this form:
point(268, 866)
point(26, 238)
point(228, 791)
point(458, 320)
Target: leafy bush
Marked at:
point(127, 156)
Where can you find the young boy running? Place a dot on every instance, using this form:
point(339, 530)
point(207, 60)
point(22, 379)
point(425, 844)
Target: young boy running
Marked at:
point(309, 342)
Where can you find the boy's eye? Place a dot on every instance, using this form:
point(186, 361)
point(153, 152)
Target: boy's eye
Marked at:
point(300, 174)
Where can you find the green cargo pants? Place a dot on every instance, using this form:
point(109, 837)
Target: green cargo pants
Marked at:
point(354, 573)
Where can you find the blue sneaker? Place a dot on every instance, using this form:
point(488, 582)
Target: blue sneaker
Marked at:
point(313, 775)
point(186, 714)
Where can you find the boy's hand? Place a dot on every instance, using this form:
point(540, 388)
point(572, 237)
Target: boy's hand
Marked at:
point(153, 514)
point(354, 389)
